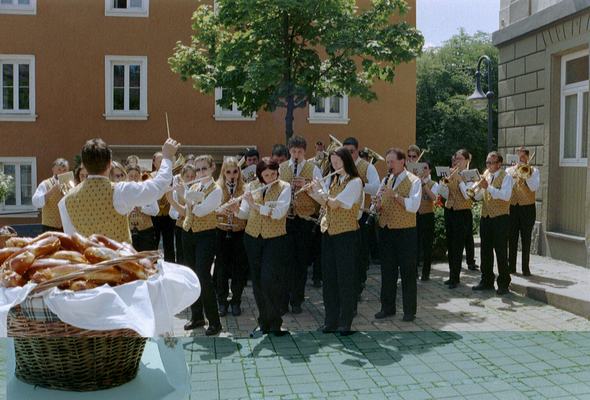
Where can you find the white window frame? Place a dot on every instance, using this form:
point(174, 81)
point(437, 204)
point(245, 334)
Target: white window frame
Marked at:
point(578, 88)
point(226, 115)
point(327, 117)
point(19, 9)
point(111, 11)
point(110, 113)
point(19, 161)
point(19, 115)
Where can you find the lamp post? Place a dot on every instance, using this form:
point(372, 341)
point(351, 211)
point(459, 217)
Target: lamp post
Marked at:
point(478, 97)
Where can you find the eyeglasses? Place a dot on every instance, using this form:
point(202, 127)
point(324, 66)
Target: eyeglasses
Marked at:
point(204, 169)
point(491, 162)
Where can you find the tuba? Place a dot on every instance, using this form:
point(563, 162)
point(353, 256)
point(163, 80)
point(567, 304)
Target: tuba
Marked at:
point(373, 155)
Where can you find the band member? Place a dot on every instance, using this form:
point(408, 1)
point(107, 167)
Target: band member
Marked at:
point(140, 221)
point(118, 173)
point(163, 224)
point(297, 171)
point(48, 195)
point(413, 153)
point(458, 216)
point(496, 190)
point(231, 261)
point(370, 178)
point(199, 241)
point(177, 212)
point(522, 209)
point(100, 206)
point(280, 153)
point(252, 157)
point(398, 202)
point(265, 205)
point(425, 220)
point(80, 174)
point(341, 201)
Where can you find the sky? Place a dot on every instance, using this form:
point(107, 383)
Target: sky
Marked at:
point(440, 19)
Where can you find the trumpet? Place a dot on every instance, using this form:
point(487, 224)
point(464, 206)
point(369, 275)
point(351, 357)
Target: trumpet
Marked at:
point(447, 179)
point(473, 191)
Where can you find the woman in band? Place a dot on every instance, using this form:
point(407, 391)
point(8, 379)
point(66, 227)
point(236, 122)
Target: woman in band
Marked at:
point(341, 201)
point(265, 206)
point(118, 173)
point(140, 221)
point(176, 211)
point(80, 174)
point(231, 261)
point(199, 240)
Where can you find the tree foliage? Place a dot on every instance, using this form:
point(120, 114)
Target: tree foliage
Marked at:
point(445, 120)
point(267, 54)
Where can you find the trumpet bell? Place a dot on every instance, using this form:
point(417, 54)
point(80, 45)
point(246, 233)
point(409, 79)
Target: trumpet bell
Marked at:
point(178, 164)
point(66, 182)
point(373, 155)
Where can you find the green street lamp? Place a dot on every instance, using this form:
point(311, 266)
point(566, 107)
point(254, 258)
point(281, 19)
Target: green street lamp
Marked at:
point(479, 97)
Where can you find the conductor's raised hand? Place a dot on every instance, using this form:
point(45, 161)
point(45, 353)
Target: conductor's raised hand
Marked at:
point(169, 149)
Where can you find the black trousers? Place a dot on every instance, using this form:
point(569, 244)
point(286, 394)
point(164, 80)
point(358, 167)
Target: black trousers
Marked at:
point(364, 251)
point(398, 257)
point(199, 253)
point(425, 228)
point(178, 244)
point(469, 243)
point(494, 239)
point(457, 223)
point(300, 236)
point(340, 286)
point(522, 221)
point(144, 240)
point(317, 254)
point(164, 227)
point(46, 228)
point(266, 258)
point(231, 263)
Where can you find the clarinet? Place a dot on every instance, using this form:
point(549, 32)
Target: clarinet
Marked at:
point(291, 213)
point(373, 207)
point(230, 217)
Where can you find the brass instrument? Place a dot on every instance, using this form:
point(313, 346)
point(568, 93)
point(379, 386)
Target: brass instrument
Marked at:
point(524, 171)
point(66, 182)
point(325, 163)
point(178, 164)
point(374, 157)
point(473, 191)
point(447, 179)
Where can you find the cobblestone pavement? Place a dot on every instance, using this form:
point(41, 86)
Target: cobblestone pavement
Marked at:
point(439, 309)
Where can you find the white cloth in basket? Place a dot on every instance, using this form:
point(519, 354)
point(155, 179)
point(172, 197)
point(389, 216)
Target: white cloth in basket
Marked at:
point(148, 307)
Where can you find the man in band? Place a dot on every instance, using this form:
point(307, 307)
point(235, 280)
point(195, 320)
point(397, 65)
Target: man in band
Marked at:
point(252, 157)
point(48, 195)
point(370, 177)
point(496, 190)
point(279, 153)
point(163, 224)
point(522, 212)
point(297, 171)
point(425, 220)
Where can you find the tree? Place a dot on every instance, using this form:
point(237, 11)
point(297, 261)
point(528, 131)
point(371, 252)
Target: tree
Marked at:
point(445, 120)
point(267, 54)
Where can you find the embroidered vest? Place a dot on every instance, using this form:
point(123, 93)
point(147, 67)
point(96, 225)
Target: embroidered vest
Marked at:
point(362, 167)
point(262, 225)
point(139, 221)
point(393, 215)
point(90, 207)
point(521, 194)
point(495, 207)
point(239, 224)
point(200, 224)
point(304, 204)
point(50, 212)
point(426, 204)
point(456, 201)
point(339, 220)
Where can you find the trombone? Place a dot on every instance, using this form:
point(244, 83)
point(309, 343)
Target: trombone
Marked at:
point(473, 191)
point(524, 171)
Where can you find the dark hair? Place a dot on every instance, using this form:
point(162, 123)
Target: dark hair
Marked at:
point(351, 141)
point(263, 166)
point(298, 142)
point(280, 150)
point(77, 173)
point(427, 162)
point(399, 153)
point(252, 153)
point(134, 168)
point(525, 151)
point(96, 156)
point(348, 162)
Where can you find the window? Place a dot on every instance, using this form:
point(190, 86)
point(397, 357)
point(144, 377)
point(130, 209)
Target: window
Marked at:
point(23, 171)
point(126, 8)
point(229, 114)
point(18, 7)
point(17, 84)
point(329, 110)
point(126, 87)
point(574, 110)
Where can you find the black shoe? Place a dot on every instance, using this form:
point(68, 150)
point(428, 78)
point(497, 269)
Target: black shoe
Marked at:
point(448, 281)
point(453, 285)
point(425, 278)
point(284, 310)
point(513, 271)
point(258, 332)
point(296, 309)
point(526, 273)
point(236, 310)
point(327, 329)
point(280, 333)
point(190, 325)
point(408, 318)
point(347, 333)
point(317, 283)
point(383, 314)
point(472, 267)
point(502, 291)
point(481, 286)
point(213, 330)
point(222, 310)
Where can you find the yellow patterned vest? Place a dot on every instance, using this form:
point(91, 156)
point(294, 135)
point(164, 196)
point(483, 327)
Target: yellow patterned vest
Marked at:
point(495, 207)
point(393, 215)
point(339, 220)
point(304, 204)
point(456, 201)
point(238, 224)
point(180, 222)
point(139, 221)
point(362, 167)
point(50, 212)
point(521, 194)
point(426, 205)
point(262, 225)
point(163, 202)
point(90, 207)
point(200, 224)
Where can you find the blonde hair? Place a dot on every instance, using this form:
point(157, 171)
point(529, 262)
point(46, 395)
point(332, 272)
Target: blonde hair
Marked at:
point(230, 162)
point(206, 157)
point(116, 164)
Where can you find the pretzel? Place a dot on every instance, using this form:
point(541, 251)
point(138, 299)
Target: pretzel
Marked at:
point(7, 252)
point(98, 254)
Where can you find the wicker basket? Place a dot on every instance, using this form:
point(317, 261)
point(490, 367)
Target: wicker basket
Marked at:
point(6, 232)
point(55, 355)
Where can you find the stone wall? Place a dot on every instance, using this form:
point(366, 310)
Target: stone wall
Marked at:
point(512, 11)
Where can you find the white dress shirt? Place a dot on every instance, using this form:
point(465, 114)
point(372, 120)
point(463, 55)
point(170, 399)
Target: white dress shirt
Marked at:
point(278, 209)
point(209, 203)
point(151, 209)
point(412, 202)
point(38, 199)
point(317, 174)
point(173, 212)
point(533, 182)
point(372, 186)
point(351, 194)
point(504, 193)
point(128, 195)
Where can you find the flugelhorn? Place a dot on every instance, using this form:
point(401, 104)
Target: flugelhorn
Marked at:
point(473, 191)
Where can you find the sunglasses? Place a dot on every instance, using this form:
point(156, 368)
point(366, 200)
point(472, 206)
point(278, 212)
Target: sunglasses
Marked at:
point(491, 162)
point(235, 171)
